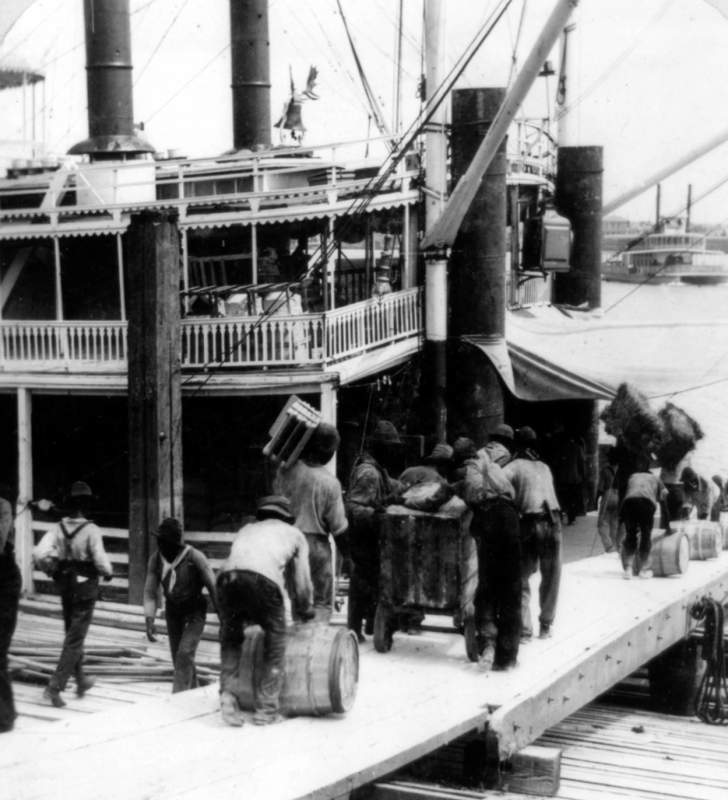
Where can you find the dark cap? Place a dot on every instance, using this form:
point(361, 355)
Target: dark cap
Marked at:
point(464, 448)
point(277, 504)
point(323, 444)
point(80, 490)
point(689, 477)
point(503, 433)
point(385, 433)
point(525, 435)
point(170, 530)
point(441, 452)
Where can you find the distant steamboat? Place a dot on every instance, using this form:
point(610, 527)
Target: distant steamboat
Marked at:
point(669, 257)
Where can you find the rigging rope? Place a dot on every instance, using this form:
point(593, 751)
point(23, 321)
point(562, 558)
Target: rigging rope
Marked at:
point(160, 42)
point(711, 702)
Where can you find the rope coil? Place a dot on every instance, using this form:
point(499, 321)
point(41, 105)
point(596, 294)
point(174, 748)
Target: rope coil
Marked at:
point(711, 701)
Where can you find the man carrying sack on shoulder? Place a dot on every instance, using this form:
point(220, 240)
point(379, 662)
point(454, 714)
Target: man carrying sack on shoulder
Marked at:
point(182, 572)
point(73, 555)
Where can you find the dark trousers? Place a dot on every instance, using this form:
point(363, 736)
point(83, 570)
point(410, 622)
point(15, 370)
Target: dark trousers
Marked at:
point(498, 596)
point(638, 515)
point(78, 608)
point(540, 549)
point(185, 632)
point(248, 598)
point(10, 584)
point(570, 499)
point(364, 574)
point(320, 562)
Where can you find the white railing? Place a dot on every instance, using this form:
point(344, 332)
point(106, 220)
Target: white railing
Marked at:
point(529, 292)
point(357, 328)
point(92, 345)
point(231, 342)
point(246, 341)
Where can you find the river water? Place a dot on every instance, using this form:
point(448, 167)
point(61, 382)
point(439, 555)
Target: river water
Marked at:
point(680, 303)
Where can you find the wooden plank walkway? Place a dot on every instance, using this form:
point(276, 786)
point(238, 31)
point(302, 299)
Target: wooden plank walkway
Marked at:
point(607, 753)
point(411, 701)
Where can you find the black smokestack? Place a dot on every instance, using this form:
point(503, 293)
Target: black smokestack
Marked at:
point(251, 74)
point(108, 80)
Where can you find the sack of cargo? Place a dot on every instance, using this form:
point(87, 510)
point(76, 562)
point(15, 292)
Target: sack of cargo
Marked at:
point(680, 435)
point(426, 496)
point(631, 419)
point(484, 480)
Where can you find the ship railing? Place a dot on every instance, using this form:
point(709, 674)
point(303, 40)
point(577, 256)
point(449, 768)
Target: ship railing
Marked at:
point(310, 172)
point(371, 323)
point(532, 291)
point(303, 340)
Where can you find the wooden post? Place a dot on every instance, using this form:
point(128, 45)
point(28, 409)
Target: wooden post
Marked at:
point(155, 397)
point(24, 516)
point(328, 413)
point(120, 266)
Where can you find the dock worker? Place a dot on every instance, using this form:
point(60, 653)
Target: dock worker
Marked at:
point(608, 500)
point(435, 468)
point(10, 585)
point(182, 572)
point(645, 494)
point(568, 464)
point(500, 445)
point(540, 529)
point(494, 526)
point(317, 505)
point(267, 557)
point(701, 494)
point(72, 553)
point(370, 490)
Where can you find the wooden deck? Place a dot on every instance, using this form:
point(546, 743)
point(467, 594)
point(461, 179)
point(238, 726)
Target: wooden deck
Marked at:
point(411, 701)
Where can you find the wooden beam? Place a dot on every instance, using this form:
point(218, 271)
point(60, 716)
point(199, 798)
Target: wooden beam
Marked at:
point(154, 386)
point(24, 516)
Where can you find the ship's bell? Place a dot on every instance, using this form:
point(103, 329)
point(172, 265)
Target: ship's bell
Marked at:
point(291, 119)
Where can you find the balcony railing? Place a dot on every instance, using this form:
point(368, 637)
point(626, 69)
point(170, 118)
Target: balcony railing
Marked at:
point(234, 342)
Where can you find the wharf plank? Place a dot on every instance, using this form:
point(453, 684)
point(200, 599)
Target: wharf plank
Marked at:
point(411, 701)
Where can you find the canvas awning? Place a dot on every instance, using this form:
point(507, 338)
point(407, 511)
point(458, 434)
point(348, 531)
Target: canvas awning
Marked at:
point(549, 354)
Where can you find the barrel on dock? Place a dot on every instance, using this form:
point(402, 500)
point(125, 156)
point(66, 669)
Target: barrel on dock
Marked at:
point(670, 554)
point(705, 537)
point(724, 528)
point(322, 670)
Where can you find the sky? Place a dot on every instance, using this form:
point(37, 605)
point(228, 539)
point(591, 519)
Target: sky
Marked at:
point(652, 76)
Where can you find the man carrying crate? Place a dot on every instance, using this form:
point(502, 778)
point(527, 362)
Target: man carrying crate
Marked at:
point(317, 506)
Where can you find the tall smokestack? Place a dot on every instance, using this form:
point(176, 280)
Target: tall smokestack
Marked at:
point(251, 74)
point(108, 79)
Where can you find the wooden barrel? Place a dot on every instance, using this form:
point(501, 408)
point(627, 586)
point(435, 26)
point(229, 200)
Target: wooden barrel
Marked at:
point(705, 537)
point(322, 670)
point(670, 555)
point(724, 527)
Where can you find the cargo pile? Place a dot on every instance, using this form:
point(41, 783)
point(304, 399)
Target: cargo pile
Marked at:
point(631, 419)
point(680, 435)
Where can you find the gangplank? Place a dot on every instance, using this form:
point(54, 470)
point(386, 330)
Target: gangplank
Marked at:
point(411, 701)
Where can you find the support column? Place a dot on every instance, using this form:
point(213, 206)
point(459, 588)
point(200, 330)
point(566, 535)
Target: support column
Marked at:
point(436, 289)
point(24, 516)
point(578, 197)
point(329, 402)
point(57, 262)
point(155, 403)
point(120, 266)
point(477, 272)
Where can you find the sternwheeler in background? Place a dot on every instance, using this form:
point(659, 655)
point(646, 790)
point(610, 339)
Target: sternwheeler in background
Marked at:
point(670, 256)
